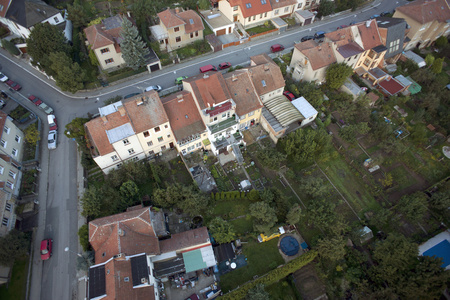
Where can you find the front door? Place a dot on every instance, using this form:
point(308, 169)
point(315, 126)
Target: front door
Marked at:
point(235, 18)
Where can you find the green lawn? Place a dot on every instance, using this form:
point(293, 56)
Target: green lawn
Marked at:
point(281, 290)
point(242, 226)
point(261, 258)
point(402, 178)
point(17, 286)
point(229, 209)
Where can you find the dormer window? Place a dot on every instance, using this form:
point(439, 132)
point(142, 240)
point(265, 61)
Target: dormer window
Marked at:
point(126, 142)
point(176, 29)
point(263, 82)
point(248, 5)
point(191, 21)
point(263, 2)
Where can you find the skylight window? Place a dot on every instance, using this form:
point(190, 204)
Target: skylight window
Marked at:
point(263, 2)
point(191, 21)
point(263, 83)
point(248, 5)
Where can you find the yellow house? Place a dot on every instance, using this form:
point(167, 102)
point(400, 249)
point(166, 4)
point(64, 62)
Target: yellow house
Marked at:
point(248, 13)
point(372, 44)
point(177, 29)
point(428, 20)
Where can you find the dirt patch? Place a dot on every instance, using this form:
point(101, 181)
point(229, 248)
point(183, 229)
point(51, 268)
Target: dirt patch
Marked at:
point(308, 283)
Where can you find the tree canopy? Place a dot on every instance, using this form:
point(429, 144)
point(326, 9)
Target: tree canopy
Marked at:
point(306, 145)
point(69, 75)
point(221, 230)
point(413, 206)
point(14, 244)
point(264, 216)
point(336, 74)
point(133, 48)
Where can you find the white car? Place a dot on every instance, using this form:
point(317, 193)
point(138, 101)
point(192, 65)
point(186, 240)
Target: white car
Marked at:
point(52, 122)
point(52, 137)
point(48, 110)
point(3, 77)
point(154, 87)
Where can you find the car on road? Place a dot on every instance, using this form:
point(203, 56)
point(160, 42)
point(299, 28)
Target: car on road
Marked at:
point(342, 26)
point(2, 103)
point(319, 35)
point(224, 65)
point(3, 77)
point(35, 100)
point(46, 249)
point(52, 137)
point(48, 110)
point(307, 38)
point(289, 95)
point(14, 85)
point(131, 95)
point(207, 68)
point(154, 87)
point(374, 17)
point(385, 13)
point(352, 23)
point(276, 48)
point(4, 95)
point(180, 79)
point(52, 122)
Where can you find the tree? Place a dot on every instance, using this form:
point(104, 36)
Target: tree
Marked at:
point(133, 48)
point(83, 236)
point(92, 57)
point(306, 145)
point(314, 186)
point(310, 91)
point(441, 42)
point(436, 68)
point(204, 4)
point(419, 134)
point(75, 129)
point(221, 230)
point(264, 215)
point(277, 200)
point(336, 74)
point(68, 74)
point(294, 215)
point(321, 213)
point(85, 261)
point(13, 245)
point(440, 201)
point(332, 249)
point(387, 181)
point(253, 195)
point(32, 135)
point(194, 202)
point(46, 39)
point(429, 59)
point(258, 293)
point(350, 132)
point(413, 206)
point(325, 8)
point(91, 201)
point(77, 14)
point(129, 193)
point(271, 158)
point(10, 47)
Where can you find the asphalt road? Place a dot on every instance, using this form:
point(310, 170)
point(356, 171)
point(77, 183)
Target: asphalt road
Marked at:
point(58, 215)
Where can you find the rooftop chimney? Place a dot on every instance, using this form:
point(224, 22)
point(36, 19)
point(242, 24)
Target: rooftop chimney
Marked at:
point(234, 78)
point(104, 119)
point(140, 101)
point(266, 67)
point(180, 98)
point(205, 76)
point(121, 109)
point(368, 23)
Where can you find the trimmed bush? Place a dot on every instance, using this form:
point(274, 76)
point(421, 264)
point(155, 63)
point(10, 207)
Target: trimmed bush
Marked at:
point(83, 235)
point(10, 47)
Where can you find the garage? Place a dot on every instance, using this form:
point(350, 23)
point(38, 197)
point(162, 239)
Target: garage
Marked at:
point(221, 31)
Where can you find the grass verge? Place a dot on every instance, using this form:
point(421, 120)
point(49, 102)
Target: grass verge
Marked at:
point(16, 288)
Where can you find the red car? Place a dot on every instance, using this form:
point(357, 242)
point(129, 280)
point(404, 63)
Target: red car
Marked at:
point(342, 26)
point(46, 249)
point(224, 65)
point(15, 86)
point(289, 95)
point(35, 100)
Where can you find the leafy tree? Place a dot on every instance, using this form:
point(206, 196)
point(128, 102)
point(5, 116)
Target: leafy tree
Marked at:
point(429, 59)
point(133, 48)
point(10, 47)
point(310, 91)
point(221, 230)
point(441, 42)
point(77, 14)
point(258, 293)
point(96, 21)
point(271, 158)
point(134, 171)
point(387, 181)
point(413, 206)
point(129, 192)
point(92, 57)
point(332, 249)
point(326, 8)
point(75, 129)
point(32, 135)
point(336, 74)
point(294, 215)
point(194, 202)
point(14, 244)
point(91, 201)
point(440, 201)
point(264, 215)
point(204, 4)
point(436, 68)
point(46, 39)
point(321, 213)
point(253, 195)
point(419, 134)
point(350, 132)
point(83, 236)
point(306, 145)
point(68, 74)
point(277, 200)
point(393, 145)
point(314, 186)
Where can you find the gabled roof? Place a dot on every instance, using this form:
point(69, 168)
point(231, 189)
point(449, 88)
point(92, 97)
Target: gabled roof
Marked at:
point(243, 92)
point(266, 77)
point(130, 232)
point(306, 45)
point(4, 5)
point(369, 34)
point(320, 56)
point(106, 33)
point(350, 49)
point(170, 19)
point(252, 7)
point(185, 240)
point(28, 13)
point(425, 11)
point(184, 118)
point(209, 89)
point(173, 18)
point(145, 111)
point(282, 3)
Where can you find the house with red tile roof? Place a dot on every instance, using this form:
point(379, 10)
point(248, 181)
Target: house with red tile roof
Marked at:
point(371, 42)
point(177, 28)
point(249, 13)
point(428, 20)
point(391, 86)
point(133, 251)
point(345, 46)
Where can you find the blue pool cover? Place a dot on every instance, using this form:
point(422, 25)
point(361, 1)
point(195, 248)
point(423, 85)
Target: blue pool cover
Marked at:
point(440, 250)
point(289, 245)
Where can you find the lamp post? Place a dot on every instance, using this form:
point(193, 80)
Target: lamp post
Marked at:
point(68, 250)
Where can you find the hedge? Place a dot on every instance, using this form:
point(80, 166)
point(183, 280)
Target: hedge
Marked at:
point(273, 276)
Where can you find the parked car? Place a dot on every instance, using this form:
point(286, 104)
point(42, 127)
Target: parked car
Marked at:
point(35, 100)
point(352, 23)
point(307, 38)
point(342, 26)
point(52, 137)
point(374, 17)
point(207, 68)
point(3, 77)
point(276, 48)
point(2, 103)
point(130, 95)
point(14, 85)
point(4, 95)
point(384, 13)
point(289, 95)
point(180, 79)
point(224, 65)
point(319, 35)
point(154, 87)
point(48, 110)
point(52, 122)
point(46, 249)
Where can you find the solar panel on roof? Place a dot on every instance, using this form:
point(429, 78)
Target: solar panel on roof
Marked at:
point(97, 282)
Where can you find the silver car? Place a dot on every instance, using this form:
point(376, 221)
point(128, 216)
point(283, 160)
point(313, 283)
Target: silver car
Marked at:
point(3, 77)
point(52, 137)
point(48, 110)
point(154, 87)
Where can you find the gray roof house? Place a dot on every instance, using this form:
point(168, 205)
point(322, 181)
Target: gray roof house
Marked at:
point(392, 32)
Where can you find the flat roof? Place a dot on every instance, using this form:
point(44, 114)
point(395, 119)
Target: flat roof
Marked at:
point(215, 18)
point(109, 109)
point(119, 133)
point(304, 107)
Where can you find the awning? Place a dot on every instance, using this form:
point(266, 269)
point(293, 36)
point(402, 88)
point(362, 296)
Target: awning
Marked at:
point(199, 259)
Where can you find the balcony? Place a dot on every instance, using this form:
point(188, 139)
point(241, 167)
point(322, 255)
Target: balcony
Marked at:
point(222, 125)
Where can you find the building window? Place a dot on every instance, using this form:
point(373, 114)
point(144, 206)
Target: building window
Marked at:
point(126, 142)
point(12, 174)
point(286, 9)
point(166, 126)
point(160, 139)
point(114, 158)
point(151, 152)
point(5, 221)
point(8, 207)
point(14, 152)
point(1, 170)
point(6, 129)
point(248, 5)
point(192, 35)
point(104, 50)
point(163, 148)
point(56, 19)
point(263, 2)
point(178, 39)
point(224, 116)
point(176, 29)
point(235, 8)
point(119, 165)
point(367, 62)
point(265, 15)
point(251, 114)
point(157, 129)
point(150, 143)
point(260, 16)
point(17, 138)
point(168, 136)
point(299, 5)
point(263, 82)
point(135, 158)
point(254, 17)
point(242, 117)
point(196, 33)
point(214, 119)
point(307, 3)
point(109, 61)
point(161, 42)
point(277, 11)
point(3, 143)
point(146, 134)
point(9, 184)
point(131, 151)
point(249, 19)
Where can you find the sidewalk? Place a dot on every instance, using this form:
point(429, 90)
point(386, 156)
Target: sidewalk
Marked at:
point(81, 275)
